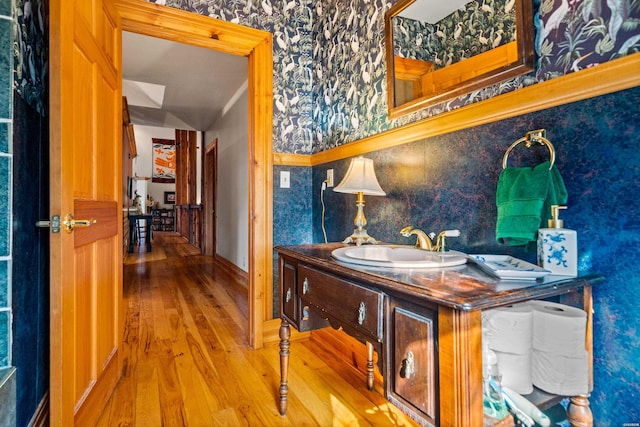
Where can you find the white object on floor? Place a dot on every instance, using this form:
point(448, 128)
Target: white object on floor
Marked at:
point(527, 407)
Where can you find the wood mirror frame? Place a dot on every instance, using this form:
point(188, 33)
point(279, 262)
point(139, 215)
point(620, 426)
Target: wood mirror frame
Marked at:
point(431, 86)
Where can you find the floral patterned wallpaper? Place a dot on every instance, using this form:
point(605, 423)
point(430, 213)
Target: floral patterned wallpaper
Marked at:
point(350, 92)
point(570, 35)
point(290, 22)
point(30, 52)
point(329, 59)
point(575, 34)
point(481, 26)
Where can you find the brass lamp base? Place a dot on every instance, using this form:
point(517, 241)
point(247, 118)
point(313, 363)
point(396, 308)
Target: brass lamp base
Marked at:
point(360, 234)
point(359, 237)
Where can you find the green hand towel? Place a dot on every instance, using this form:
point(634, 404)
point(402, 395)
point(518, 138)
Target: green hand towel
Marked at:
point(524, 198)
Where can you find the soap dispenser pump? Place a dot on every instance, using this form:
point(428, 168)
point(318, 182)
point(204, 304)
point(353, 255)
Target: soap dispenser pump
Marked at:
point(558, 246)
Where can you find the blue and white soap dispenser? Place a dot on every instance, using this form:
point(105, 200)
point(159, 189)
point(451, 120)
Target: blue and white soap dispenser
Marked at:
point(558, 246)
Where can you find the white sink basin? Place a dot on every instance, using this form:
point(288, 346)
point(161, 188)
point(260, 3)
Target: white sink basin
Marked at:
point(398, 256)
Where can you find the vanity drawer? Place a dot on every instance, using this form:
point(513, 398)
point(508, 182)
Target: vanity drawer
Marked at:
point(356, 306)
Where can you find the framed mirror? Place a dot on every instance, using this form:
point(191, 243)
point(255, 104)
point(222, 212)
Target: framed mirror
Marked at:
point(438, 50)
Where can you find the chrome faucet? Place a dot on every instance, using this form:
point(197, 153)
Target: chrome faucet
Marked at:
point(426, 242)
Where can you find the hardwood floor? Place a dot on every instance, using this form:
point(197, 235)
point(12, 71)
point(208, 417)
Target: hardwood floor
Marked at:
point(187, 361)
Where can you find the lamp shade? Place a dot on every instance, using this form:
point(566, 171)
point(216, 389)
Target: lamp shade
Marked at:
point(360, 178)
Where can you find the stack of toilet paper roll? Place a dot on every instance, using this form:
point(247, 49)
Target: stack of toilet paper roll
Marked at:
point(560, 360)
point(539, 343)
point(509, 331)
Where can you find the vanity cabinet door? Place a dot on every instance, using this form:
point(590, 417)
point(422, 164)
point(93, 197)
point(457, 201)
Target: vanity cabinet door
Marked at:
point(414, 360)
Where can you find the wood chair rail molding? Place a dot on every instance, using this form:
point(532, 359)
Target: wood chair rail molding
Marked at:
point(287, 159)
point(605, 78)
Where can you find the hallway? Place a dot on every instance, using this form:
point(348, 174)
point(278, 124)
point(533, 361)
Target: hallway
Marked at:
point(186, 359)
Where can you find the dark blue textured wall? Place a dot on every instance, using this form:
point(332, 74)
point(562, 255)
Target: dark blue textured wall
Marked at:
point(292, 215)
point(450, 182)
point(292, 206)
point(30, 288)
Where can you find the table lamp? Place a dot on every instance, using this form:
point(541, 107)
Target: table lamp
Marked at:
point(360, 179)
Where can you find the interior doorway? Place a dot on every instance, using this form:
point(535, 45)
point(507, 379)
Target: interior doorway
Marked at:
point(186, 103)
point(210, 173)
point(172, 24)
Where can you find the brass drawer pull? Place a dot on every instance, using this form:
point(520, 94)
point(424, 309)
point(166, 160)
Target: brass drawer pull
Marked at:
point(408, 366)
point(305, 312)
point(362, 311)
point(70, 223)
point(305, 286)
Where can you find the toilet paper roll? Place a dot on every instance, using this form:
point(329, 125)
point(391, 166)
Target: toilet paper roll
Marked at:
point(558, 328)
point(516, 371)
point(509, 329)
point(566, 376)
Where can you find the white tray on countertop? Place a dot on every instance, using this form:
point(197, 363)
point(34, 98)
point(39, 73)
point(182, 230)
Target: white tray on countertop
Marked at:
point(508, 267)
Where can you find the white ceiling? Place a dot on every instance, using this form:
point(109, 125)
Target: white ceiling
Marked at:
point(432, 11)
point(198, 82)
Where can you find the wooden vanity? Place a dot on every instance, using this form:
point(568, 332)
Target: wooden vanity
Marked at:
point(425, 325)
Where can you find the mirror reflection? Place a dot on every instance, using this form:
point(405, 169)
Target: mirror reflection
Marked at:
point(438, 50)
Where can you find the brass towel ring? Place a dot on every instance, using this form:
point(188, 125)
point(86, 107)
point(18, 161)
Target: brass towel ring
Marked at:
point(532, 137)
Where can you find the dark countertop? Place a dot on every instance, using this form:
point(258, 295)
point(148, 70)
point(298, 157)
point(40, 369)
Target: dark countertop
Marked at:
point(465, 287)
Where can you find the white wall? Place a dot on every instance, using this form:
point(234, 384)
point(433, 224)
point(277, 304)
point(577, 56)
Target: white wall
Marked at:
point(143, 162)
point(232, 132)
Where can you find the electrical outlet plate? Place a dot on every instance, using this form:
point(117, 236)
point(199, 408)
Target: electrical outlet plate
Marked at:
point(329, 180)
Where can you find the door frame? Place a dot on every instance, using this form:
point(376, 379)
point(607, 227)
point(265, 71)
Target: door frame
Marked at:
point(143, 17)
point(210, 187)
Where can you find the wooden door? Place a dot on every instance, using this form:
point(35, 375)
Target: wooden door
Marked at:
point(85, 163)
point(210, 185)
